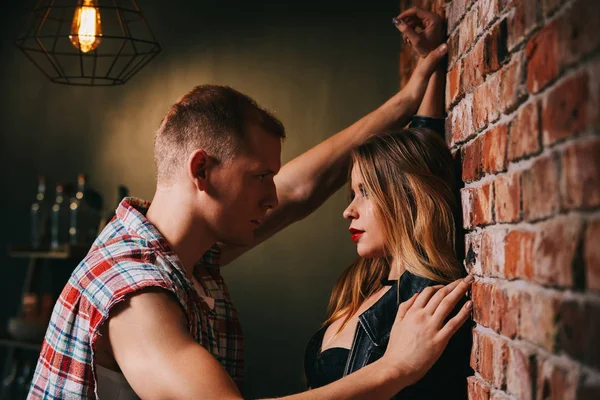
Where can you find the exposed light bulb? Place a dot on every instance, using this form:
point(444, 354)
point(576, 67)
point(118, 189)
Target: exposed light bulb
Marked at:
point(86, 29)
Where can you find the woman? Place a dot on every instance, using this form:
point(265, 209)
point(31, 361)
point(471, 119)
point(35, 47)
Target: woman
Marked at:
point(402, 221)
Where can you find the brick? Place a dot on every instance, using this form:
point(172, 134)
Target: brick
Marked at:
point(495, 51)
point(524, 136)
point(539, 183)
point(486, 312)
point(456, 10)
point(472, 253)
point(564, 109)
point(467, 30)
point(492, 252)
point(555, 250)
point(520, 374)
point(478, 390)
point(507, 197)
point(539, 311)
point(496, 307)
point(473, 67)
point(591, 251)
point(570, 329)
point(543, 57)
point(563, 42)
point(522, 21)
point(492, 358)
point(578, 331)
point(474, 356)
point(494, 149)
point(453, 89)
point(488, 11)
point(580, 175)
point(472, 160)
point(482, 302)
point(557, 380)
point(549, 6)
point(518, 252)
point(593, 109)
point(477, 205)
point(453, 53)
point(511, 90)
point(460, 121)
point(485, 102)
point(499, 307)
point(511, 316)
point(579, 31)
point(498, 395)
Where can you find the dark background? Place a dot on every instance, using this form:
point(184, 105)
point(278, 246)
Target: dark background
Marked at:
point(319, 65)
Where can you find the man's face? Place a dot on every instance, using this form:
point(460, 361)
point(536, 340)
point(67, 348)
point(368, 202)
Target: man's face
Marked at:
point(366, 229)
point(244, 187)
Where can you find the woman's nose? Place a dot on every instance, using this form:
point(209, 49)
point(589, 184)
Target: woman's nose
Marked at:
point(350, 212)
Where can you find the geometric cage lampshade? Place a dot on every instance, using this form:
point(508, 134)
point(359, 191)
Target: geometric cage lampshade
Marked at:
point(88, 42)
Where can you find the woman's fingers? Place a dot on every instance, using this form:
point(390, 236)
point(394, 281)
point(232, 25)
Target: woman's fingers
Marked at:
point(407, 31)
point(413, 22)
point(416, 12)
point(440, 295)
point(451, 300)
point(452, 326)
point(405, 306)
point(425, 295)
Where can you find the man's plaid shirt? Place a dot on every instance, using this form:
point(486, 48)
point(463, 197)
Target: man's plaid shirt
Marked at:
point(129, 255)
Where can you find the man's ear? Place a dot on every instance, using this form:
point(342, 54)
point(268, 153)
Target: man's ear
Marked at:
point(197, 168)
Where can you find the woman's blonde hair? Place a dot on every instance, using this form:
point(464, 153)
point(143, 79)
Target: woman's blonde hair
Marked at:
point(409, 177)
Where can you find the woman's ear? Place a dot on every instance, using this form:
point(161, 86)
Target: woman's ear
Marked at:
point(197, 168)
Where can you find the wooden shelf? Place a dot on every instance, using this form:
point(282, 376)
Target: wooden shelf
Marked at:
point(64, 252)
point(9, 342)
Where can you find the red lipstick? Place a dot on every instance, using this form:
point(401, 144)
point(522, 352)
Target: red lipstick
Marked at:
point(356, 234)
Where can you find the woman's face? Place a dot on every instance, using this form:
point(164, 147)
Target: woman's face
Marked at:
point(365, 228)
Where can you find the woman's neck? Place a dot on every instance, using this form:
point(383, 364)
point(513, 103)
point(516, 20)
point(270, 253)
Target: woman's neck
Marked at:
point(396, 270)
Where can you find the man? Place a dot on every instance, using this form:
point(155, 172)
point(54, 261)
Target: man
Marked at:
point(142, 316)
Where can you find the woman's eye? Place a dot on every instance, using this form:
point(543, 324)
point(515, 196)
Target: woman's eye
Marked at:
point(363, 191)
point(262, 177)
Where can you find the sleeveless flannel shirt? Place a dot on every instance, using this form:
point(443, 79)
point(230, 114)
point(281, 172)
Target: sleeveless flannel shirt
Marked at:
point(129, 255)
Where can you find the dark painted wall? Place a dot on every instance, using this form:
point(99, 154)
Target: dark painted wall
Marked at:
point(318, 65)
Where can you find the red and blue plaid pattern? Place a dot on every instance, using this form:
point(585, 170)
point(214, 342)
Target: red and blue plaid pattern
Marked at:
point(129, 255)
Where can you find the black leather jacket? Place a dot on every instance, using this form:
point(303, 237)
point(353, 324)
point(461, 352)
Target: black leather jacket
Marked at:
point(447, 379)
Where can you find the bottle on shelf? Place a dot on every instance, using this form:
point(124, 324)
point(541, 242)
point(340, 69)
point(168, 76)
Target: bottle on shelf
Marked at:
point(85, 209)
point(23, 381)
point(8, 383)
point(59, 217)
point(39, 215)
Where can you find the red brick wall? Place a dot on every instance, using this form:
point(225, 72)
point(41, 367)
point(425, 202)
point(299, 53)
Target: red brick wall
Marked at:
point(523, 103)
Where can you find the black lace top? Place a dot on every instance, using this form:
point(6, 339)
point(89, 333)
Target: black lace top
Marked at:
point(322, 368)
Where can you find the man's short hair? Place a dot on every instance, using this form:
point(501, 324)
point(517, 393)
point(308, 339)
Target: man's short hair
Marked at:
point(211, 117)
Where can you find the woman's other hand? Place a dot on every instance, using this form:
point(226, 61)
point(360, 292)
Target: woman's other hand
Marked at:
point(424, 30)
point(421, 331)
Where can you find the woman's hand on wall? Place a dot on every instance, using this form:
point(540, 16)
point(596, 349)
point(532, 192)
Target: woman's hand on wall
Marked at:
point(424, 30)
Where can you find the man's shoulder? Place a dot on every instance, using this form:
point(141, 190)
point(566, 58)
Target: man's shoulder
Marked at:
point(114, 269)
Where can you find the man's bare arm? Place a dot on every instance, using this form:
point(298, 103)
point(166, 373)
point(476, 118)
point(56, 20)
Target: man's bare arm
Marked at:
point(149, 339)
point(304, 183)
